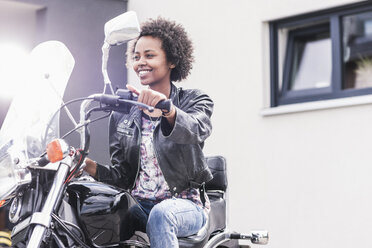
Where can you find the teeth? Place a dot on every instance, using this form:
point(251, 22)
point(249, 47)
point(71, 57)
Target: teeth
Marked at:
point(141, 73)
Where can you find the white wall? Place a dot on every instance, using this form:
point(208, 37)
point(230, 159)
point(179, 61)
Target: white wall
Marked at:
point(305, 177)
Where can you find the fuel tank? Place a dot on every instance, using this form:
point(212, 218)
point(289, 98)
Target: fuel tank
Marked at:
point(100, 209)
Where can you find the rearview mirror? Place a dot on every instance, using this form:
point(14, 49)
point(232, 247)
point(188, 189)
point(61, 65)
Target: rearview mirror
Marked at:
point(118, 30)
point(122, 28)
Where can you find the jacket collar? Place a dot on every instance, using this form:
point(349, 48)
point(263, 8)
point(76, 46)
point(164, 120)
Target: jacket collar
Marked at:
point(135, 115)
point(174, 95)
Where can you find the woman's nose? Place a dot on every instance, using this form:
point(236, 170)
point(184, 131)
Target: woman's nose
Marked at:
point(142, 61)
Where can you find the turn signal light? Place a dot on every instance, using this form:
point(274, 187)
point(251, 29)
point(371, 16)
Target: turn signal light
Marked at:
point(55, 151)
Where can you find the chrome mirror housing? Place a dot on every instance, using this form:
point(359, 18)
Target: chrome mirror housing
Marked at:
point(118, 30)
point(122, 28)
point(259, 237)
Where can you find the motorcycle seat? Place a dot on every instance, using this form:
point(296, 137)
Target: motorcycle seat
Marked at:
point(215, 190)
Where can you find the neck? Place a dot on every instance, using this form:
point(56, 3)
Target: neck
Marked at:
point(162, 88)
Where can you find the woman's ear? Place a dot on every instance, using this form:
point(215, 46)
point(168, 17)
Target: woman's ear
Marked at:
point(171, 66)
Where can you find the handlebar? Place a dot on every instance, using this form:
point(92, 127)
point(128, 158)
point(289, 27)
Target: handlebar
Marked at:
point(120, 101)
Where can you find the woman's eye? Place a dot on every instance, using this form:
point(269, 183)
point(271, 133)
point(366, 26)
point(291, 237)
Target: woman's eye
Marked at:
point(149, 55)
point(136, 58)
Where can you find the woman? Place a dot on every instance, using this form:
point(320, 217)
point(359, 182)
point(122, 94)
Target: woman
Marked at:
point(158, 155)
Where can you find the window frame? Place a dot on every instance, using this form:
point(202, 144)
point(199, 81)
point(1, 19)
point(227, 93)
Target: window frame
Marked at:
point(331, 16)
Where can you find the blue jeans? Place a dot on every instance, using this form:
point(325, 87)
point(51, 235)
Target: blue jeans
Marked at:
point(168, 220)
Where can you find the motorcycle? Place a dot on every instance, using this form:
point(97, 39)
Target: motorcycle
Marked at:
point(52, 205)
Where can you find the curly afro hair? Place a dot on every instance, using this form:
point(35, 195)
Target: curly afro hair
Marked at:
point(175, 43)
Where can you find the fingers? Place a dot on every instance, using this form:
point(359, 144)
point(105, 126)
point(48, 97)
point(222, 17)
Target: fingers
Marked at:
point(147, 96)
point(155, 101)
point(133, 89)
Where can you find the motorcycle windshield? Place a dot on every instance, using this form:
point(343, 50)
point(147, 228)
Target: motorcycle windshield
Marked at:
point(31, 122)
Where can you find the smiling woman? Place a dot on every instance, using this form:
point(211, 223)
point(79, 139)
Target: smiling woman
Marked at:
point(161, 159)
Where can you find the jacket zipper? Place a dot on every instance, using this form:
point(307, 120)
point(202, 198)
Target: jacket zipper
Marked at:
point(139, 153)
point(155, 151)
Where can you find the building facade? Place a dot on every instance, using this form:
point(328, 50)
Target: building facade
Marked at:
point(298, 152)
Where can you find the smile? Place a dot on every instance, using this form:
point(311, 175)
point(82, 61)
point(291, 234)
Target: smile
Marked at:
point(143, 72)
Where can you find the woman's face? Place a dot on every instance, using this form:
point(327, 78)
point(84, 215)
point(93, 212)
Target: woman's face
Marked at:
point(150, 62)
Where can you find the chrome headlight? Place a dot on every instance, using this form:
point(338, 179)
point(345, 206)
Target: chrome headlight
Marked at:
point(11, 176)
point(15, 209)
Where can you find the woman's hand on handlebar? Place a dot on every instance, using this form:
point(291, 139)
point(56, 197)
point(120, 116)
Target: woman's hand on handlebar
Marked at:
point(152, 98)
point(147, 96)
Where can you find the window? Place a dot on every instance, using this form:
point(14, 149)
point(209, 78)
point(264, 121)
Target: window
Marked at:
point(322, 55)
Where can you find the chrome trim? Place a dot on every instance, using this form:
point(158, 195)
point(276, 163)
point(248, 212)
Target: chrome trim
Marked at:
point(218, 239)
point(15, 209)
point(83, 109)
point(23, 176)
point(259, 237)
point(54, 196)
point(41, 219)
point(21, 225)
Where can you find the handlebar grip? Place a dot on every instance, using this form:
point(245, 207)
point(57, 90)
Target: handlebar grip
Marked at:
point(235, 236)
point(119, 102)
point(164, 104)
point(43, 161)
point(107, 99)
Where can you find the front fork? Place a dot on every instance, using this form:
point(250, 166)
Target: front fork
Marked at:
point(43, 219)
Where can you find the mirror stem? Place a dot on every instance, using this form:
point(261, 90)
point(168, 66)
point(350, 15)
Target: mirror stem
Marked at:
point(105, 55)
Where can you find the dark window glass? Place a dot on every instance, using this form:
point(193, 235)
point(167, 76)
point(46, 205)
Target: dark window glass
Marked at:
point(357, 48)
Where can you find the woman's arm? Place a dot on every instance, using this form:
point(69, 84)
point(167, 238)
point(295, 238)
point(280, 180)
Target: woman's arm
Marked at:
point(192, 119)
point(114, 174)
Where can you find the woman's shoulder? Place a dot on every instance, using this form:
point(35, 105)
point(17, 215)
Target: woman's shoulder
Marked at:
point(191, 92)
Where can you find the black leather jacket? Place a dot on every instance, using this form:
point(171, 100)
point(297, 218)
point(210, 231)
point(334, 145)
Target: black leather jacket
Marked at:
point(178, 149)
